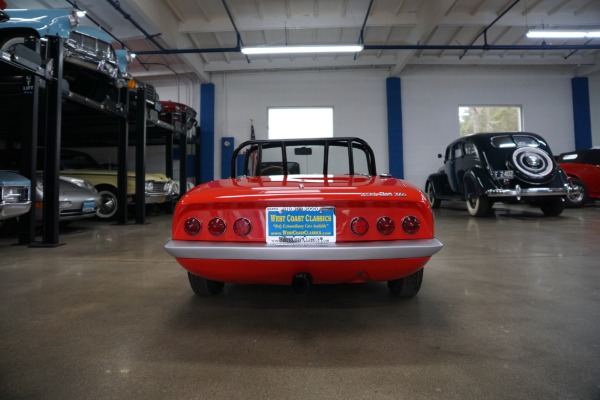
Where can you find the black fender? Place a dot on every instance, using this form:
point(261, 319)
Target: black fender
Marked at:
point(440, 183)
point(476, 182)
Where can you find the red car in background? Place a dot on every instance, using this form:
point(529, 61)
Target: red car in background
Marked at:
point(303, 212)
point(178, 114)
point(583, 167)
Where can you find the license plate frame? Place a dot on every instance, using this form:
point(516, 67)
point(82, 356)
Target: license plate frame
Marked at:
point(300, 225)
point(88, 206)
point(504, 174)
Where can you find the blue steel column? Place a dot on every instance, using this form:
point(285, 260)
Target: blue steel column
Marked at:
point(207, 134)
point(582, 119)
point(395, 132)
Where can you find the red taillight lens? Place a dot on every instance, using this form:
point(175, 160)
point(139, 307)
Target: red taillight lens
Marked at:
point(192, 226)
point(216, 226)
point(242, 227)
point(386, 225)
point(359, 226)
point(411, 225)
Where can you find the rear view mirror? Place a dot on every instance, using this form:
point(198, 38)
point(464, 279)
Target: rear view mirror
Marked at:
point(303, 151)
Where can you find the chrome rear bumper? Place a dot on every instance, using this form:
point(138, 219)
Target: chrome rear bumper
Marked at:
point(379, 250)
point(531, 192)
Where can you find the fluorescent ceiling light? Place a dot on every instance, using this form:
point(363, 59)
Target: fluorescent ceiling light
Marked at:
point(342, 48)
point(551, 34)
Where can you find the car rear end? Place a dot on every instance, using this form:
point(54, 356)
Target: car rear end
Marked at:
point(340, 229)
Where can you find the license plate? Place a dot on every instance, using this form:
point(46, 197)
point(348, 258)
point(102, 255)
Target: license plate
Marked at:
point(504, 174)
point(300, 225)
point(88, 205)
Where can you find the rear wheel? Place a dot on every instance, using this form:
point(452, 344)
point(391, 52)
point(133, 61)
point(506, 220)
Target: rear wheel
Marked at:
point(578, 199)
point(433, 201)
point(408, 286)
point(204, 287)
point(478, 206)
point(553, 207)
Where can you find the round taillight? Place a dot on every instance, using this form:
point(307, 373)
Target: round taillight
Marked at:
point(359, 226)
point(242, 227)
point(192, 226)
point(411, 225)
point(216, 226)
point(386, 225)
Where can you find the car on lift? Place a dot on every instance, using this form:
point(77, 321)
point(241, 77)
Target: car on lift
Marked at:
point(304, 212)
point(92, 68)
point(583, 168)
point(483, 168)
point(15, 196)
point(77, 199)
point(78, 164)
point(177, 113)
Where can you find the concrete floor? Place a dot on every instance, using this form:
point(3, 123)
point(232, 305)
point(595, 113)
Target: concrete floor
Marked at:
point(509, 309)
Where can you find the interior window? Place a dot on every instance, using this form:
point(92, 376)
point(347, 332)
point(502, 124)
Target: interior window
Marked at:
point(300, 122)
point(525, 141)
point(470, 149)
point(457, 150)
point(481, 118)
point(339, 163)
point(308, 158)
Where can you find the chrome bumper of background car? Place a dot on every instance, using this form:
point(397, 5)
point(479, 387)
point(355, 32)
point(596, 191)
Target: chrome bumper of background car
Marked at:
point(336, 251)
point(520, 192)
point(153, 198)
point(9, 210)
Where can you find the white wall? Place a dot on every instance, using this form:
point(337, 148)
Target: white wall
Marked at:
point(430, 95)
point(358, 99)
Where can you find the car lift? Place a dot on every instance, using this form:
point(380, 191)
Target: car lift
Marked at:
point(41, 77)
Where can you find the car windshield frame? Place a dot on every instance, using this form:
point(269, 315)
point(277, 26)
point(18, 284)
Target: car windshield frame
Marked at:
point(252, 153)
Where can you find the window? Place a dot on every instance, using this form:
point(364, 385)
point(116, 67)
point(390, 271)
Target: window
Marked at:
point(474, 119)
point(300, 122)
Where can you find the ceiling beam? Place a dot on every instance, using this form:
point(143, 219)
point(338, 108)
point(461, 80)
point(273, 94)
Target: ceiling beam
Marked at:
point(430, 13)
point(250, 23)
point(165, 22)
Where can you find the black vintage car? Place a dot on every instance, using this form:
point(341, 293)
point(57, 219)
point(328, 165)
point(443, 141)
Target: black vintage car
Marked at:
point(487, 167)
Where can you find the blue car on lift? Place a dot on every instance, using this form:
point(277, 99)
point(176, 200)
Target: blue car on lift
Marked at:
point(88, 51)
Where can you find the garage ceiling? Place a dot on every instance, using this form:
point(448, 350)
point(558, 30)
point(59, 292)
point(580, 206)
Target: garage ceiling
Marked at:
point(403, 32)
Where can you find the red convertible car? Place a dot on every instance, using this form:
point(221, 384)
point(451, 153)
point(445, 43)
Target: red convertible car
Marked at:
point(303, 212)
point(583, 167)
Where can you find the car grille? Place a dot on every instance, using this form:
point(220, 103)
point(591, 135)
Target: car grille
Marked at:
point(151, 94)
point(157, 188)
point(91, 47)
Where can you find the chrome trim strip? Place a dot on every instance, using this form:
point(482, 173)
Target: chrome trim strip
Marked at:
point(337, 251)
point(520, 192)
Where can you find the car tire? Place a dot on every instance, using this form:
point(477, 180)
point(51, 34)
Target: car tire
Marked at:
point(577, 200)
point(434, 202)
point(553, 207)
point(408, 286)
point(108, 202)
point(478, 206)
point(204, 287)
point(9, 43)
